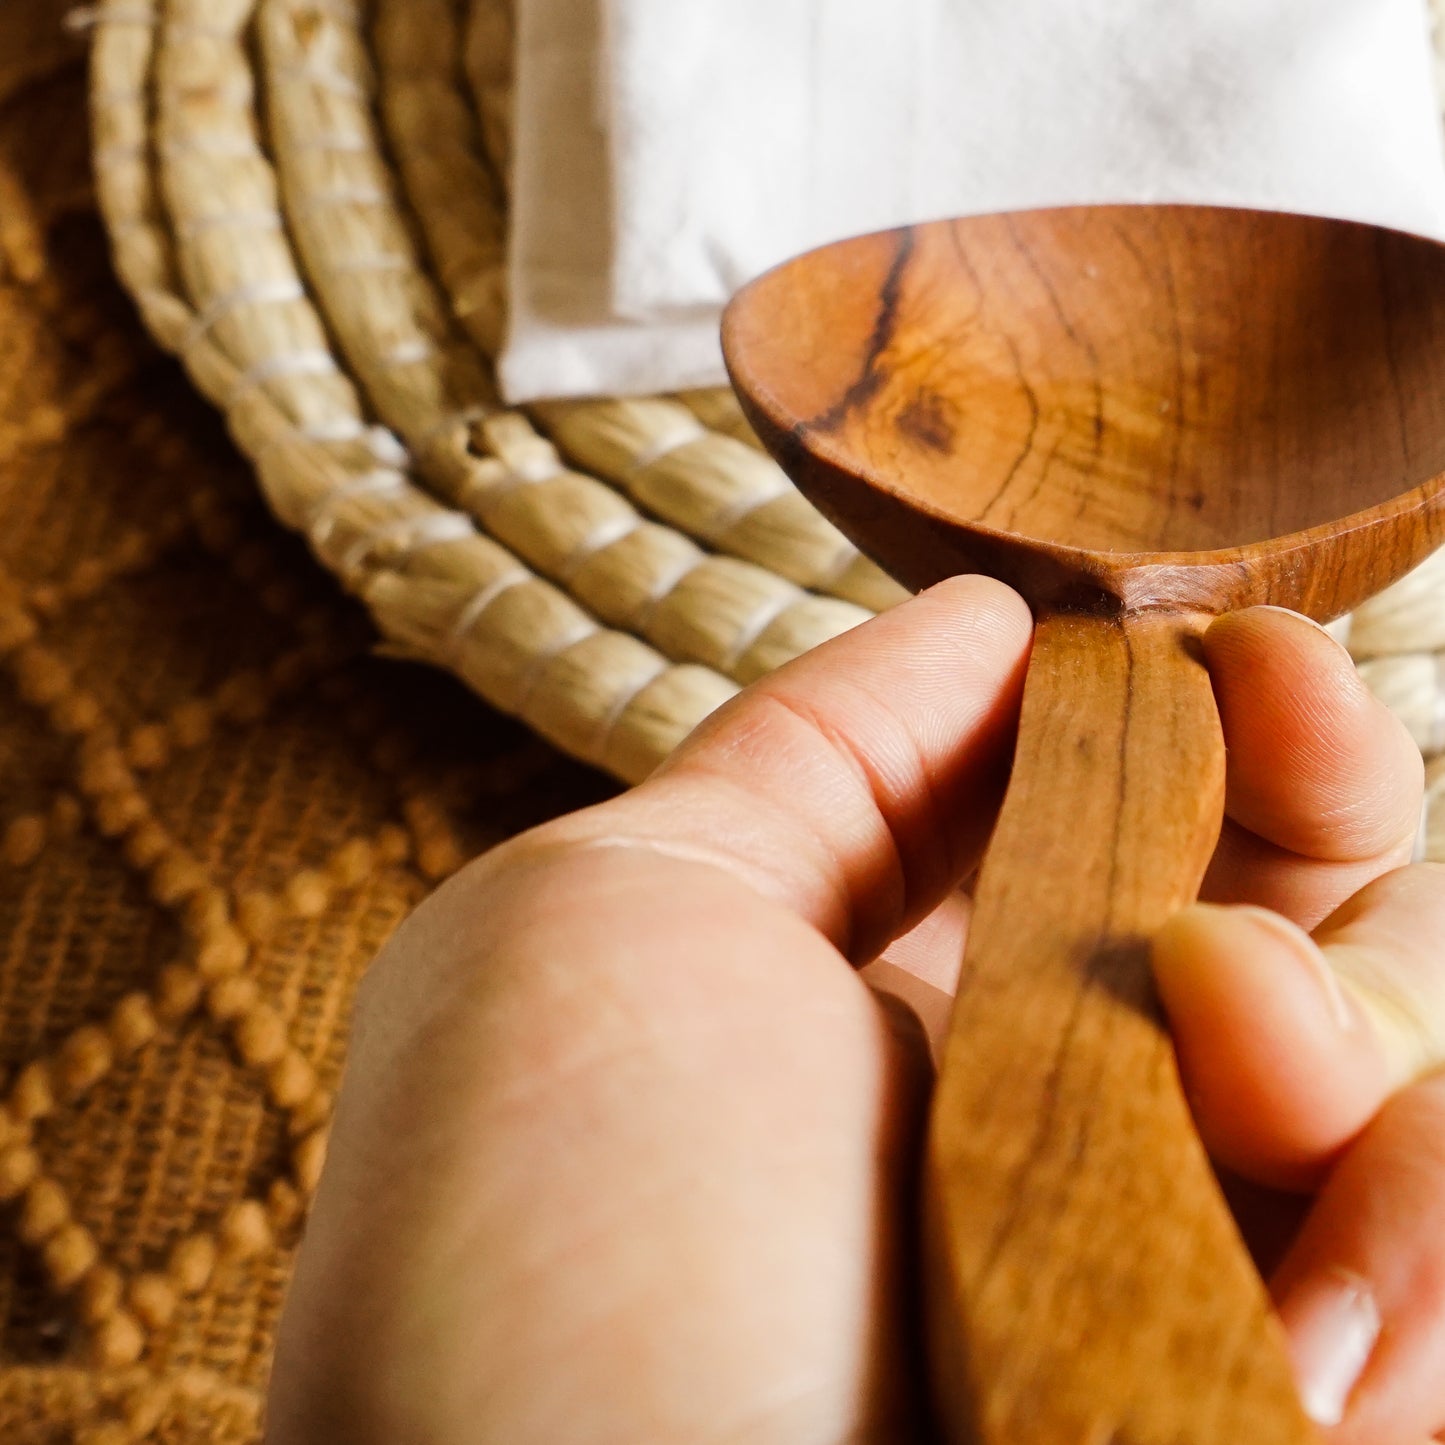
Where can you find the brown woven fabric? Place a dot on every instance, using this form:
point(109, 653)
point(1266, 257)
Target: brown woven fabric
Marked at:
point(215, 803)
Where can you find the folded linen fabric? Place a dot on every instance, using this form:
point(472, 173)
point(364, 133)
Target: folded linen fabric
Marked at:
point(563, 338)
point(667, 152)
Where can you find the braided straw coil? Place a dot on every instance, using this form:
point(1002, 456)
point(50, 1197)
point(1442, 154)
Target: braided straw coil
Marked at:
point(307, 200)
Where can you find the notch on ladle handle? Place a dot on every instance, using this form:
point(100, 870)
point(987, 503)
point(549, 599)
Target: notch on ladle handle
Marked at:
point(1085, 1281)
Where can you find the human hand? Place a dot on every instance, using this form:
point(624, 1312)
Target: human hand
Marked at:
point(626, 1143)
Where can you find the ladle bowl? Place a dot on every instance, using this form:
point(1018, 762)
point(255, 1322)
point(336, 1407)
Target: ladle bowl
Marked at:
point(1140, 417)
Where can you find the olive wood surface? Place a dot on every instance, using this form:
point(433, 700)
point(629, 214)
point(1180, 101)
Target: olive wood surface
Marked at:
point(1140, 417)
point(1115, 405)
point(1084, 1293)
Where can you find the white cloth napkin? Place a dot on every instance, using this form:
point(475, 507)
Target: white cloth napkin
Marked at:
point(669, 150)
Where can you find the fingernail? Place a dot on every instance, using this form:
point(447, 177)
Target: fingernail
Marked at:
point(1338, 631)
point(1308, 952)
point(1333, 1325)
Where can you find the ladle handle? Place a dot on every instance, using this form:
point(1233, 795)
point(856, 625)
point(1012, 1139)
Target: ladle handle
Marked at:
point(1085, 1281)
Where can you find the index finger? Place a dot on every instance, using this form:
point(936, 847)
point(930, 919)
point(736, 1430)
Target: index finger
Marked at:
point(858, 784)
point(1325, 784)
point(1317, 764)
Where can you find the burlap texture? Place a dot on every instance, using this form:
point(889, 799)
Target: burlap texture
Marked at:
point(215, 803)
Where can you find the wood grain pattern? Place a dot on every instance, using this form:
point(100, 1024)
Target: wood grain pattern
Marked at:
point(1068, 1197)
point(1139, 417)
point(1118, 405)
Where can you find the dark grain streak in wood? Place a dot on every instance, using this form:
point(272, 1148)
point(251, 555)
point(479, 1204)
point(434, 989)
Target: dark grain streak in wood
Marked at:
point(1181, 415)
point(1042, 481)
point(1026, 446)
point(1387, 313)
point(1043, 1132)
point(870, 378)
point(925, 421)
point(1121, 769)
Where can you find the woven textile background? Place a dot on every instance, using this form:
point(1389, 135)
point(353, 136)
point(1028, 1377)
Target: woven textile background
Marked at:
point(214, 805)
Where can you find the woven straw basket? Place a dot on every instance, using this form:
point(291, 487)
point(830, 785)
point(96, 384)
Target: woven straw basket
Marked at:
point(307, 200)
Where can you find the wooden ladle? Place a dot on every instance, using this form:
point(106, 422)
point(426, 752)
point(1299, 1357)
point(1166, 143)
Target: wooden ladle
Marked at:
point(1140, 417)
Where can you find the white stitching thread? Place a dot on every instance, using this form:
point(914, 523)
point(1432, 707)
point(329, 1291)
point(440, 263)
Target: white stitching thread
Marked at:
point(239, 147)
point(628, 696)
point(688, 433)
point(662, 589)
point(92, 17)
point(598, 540)
point(322, 522)
point(485, 497)
point(410, 535)
point(273, 368)
point(408, 353)
point(88, 17)
point(760, 622)
point(267, 218)
point(331, 80)
point(337, 429)
point(343, 196)
point(386, 447)
point(531, 675)
point(255, 293)
point(343, 429)
point(832, 575)
point(723, 522)
point(472, 612)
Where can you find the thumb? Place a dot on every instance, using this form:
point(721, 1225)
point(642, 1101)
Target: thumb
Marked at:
point(1290, 1044)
